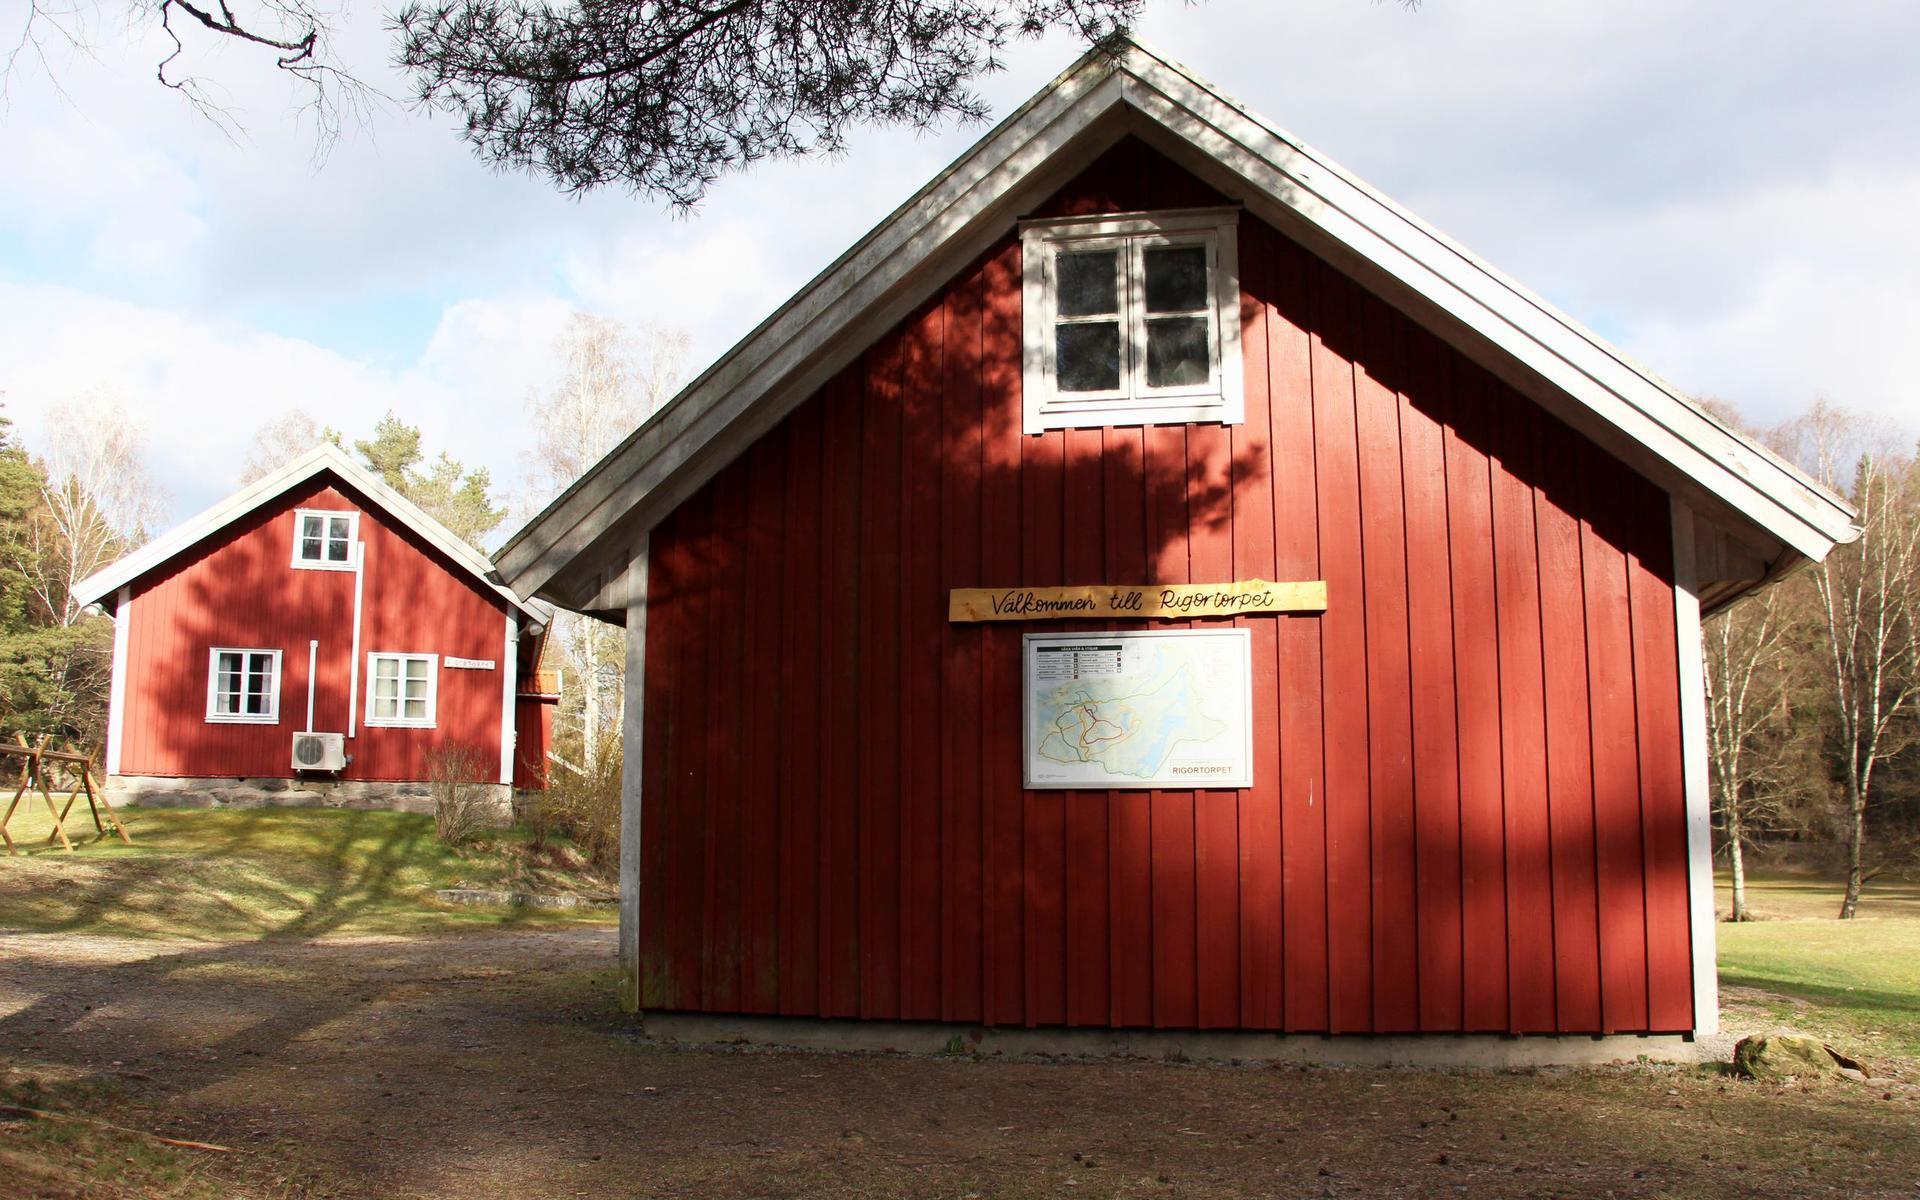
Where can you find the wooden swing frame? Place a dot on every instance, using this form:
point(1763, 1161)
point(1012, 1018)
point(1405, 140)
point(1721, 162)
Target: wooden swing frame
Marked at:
point(38, 761)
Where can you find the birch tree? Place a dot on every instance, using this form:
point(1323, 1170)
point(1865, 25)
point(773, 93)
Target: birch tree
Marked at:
point(1746, 647)
point(97, 498)
point(1866, 601)
point(611, 378)
point(281, 440)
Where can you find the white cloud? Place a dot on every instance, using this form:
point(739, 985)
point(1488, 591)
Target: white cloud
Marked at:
point(713, 280)
point(203, 387)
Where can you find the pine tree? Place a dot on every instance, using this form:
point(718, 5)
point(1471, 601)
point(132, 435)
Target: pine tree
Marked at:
point(445, 489)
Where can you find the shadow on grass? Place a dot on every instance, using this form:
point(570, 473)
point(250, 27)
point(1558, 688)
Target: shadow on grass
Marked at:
point(1776, 893)
point(1858, 1000)
point(258, 873)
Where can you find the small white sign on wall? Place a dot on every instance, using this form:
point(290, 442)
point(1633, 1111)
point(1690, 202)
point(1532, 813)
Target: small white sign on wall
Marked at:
point(468, 664)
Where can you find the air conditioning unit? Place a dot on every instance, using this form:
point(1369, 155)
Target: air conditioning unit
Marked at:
point(319, 751)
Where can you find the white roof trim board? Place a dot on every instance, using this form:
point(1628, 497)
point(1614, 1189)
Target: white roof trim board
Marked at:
point(577, 545)
point(99, 587)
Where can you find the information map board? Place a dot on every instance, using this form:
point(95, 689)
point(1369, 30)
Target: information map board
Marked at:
point(1162, 708)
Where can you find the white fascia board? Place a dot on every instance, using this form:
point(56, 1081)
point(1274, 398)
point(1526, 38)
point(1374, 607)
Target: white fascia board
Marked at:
point(1179, 83)
point(1765, 489)
point(325, 457)
point(880, 248)
point(774, 368)
point(864, 287)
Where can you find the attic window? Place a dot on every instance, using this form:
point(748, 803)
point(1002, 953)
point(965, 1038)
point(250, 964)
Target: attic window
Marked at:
point(323, 539)
point(1132, 320)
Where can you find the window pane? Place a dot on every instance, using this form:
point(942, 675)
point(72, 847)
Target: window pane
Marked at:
point(1176, 278)
point(309, 527)
point(1177, 352)
point(417, 689)
point(384, 707)
point(1088, 285)
point(226, 682)
point(1087, 357)
point(385, 687)
point(416, 709)
point(416, 668)
point(338, 538)
point(310, 549)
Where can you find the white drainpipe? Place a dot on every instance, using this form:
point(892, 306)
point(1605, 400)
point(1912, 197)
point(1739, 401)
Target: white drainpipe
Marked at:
point(353, 666)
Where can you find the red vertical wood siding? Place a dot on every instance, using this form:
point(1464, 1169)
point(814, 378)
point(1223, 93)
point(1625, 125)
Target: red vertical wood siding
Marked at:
point(1467, 811)
point(532, 738)
point(236, 589)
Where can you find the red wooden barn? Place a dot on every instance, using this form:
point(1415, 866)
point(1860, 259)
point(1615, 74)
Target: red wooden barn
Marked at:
point(1135, 339)
point(313, 639)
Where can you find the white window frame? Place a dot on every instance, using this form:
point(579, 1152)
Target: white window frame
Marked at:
point(214, 715)
point(433, 690)
point(1222, 398)
point(300, 516)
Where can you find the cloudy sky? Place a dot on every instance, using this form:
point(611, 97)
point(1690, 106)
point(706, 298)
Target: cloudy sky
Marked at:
point(1725, 189)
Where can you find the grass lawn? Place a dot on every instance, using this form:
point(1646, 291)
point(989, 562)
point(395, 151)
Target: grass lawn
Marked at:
point(220, 874)
point(1855, 982)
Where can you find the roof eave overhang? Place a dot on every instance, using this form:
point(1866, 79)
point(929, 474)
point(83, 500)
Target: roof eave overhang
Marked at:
point(576, 552)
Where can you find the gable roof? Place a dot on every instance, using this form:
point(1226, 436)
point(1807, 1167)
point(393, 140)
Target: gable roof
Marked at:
point(99, 588)
point(575, 552)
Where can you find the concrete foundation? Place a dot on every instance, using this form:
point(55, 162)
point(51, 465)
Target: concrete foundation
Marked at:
point(158, 791)
point(1484, 1051)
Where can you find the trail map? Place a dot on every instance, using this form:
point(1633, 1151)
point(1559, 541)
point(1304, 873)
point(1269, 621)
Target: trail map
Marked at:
point(1159, 709)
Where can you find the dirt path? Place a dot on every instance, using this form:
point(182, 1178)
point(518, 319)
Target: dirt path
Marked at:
point(482, 1065)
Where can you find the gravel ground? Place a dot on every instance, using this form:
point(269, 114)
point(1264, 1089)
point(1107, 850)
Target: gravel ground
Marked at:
point(492, 1064)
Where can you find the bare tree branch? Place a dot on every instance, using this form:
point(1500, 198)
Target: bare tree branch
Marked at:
point(297, 33)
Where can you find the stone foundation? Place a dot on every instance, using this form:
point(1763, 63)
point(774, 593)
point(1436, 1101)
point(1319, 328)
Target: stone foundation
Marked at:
point(1429, 1051)
point(161, 791)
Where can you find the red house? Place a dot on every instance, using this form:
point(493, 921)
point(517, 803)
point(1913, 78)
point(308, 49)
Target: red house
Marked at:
point(313, 639)
point(1153, 581)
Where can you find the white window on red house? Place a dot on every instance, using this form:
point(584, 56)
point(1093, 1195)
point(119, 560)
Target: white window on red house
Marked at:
point(323, 539)
point(243, 686)
point(402, 689)
point(1132, 320)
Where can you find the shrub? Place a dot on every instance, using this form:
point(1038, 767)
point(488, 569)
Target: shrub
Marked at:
point(462, 802)
point(583, 804)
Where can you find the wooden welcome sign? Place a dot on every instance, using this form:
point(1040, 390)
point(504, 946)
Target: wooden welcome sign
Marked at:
point(1167, 602)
